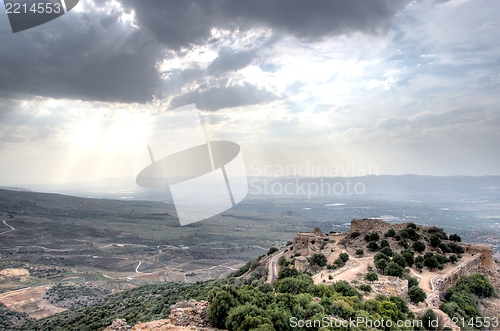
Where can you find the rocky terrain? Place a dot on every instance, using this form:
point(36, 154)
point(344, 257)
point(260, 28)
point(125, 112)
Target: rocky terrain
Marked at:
point(307, 246)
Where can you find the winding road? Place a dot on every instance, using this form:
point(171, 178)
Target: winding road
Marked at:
point(271, 276)
point(10, 226)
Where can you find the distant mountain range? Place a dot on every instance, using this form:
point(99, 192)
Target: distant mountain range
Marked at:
point(269, 187)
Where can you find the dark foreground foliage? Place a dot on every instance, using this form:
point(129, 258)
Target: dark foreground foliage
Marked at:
point(142, 304)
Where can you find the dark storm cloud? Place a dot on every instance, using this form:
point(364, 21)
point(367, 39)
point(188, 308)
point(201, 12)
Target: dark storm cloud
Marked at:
point(216, 98)
point(182, 23)
point(92, 55)
point(86, 56)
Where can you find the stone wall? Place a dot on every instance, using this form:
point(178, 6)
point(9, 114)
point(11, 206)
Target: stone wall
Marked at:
point(485, 250)
point(301, 263)
point(440, 283)
point(367, 225)
point(309, 242)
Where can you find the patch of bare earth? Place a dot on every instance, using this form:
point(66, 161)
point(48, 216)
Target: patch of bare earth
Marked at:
point(30, 301)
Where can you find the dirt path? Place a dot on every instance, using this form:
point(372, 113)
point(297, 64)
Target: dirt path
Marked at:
point(348, 274)
point(10, 226)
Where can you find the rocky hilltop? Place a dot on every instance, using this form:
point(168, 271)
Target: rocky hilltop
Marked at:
point(375, 270)
point(434, 260)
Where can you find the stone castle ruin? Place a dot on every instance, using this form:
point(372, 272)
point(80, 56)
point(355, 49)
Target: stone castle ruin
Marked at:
point(309, 243)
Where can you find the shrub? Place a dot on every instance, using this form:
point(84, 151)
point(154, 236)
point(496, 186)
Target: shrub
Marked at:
point(412, 282)
point(318, 259)
point(379, 256)
point(387, 251)
point(400, 260)
point(435, 240)
point(403, 243)
point(431, 263)
point(281, 260)
point(365, 288)
point(288, 243)
point(453, 258)
point(384, 243)
point(381, 264)
point(344, 257)
point(409, 233)
point(374, 236)
point(444, 248)
point(437, 231)
point(372, 246)
point(272, 250)
point(408, 255)
point(442, 259)
point(371, 277)
point(359, 251)
point(393, 269)
point(428, 320)
point(411, 225)
point(455, 237)
point(345, 289)
point(390, 233)
point(287, 272)
point(416, 295)
point(355, 234)
point(339, 262)
point(457, 249)
point(418, 246)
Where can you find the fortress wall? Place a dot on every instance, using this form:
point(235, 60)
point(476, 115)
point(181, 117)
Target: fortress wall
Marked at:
point(440, 283)
point(367, 225)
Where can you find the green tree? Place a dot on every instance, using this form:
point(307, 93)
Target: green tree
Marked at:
point(281, 260)
point(293, 285)
point(381, 264)
point(399, 259)
point(393, 269)
point(288, 272)
point(355, 234)
point(318, 259)
point(418, 246)
point(431, 263)
point(455, 237)
point(409, 257)
point(372, 246)
point(411, 225)
point(245, 317)
point(435, 240)
point(429, 319)
point(371, 277)
point(390, 233)
point(412, 282)
point(387, 251)
point(219, 308)
point(365, 288)
point(457, 249)
point(416, 295)
point(344, 257)
point(272, 250)
point(384, 243)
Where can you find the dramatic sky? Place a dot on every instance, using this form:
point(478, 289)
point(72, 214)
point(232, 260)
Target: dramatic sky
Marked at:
point(399, 87)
